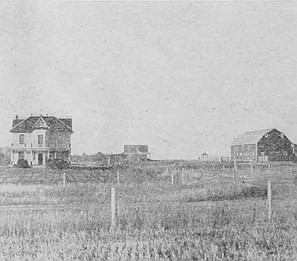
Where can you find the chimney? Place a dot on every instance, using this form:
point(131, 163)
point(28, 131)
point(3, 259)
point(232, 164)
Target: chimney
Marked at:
point(16, 117)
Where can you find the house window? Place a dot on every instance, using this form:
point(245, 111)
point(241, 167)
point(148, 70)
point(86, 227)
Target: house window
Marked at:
point(40, 140)
point(282, 135)
point(21, 139)
point(266, 135)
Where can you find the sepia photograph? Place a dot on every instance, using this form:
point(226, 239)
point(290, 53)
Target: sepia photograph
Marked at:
point(148, 130)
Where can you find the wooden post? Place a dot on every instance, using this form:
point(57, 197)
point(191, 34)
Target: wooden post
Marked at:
point(269, 200)
point(172, 179)
point(223, 167)
point(251, 167)
point(218, 185)
point(118, 177)
point(113, 208)
point(108, 160)
point(234, 177)
point(204, 187)
point(234, 154)
point(64, 180)
point(182, 176)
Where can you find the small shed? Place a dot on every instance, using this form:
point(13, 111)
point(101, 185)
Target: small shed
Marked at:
point(204, 156)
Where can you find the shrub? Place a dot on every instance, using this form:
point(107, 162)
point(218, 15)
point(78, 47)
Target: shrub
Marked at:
point(22, 163)
point(57, 163)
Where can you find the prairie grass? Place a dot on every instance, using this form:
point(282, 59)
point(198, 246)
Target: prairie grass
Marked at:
point(218, 219)
point(221, 231)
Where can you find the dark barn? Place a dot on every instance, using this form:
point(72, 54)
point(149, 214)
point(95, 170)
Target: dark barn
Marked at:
point(262, 146)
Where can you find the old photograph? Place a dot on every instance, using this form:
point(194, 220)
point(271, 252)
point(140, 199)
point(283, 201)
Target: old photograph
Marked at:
point(148, 130)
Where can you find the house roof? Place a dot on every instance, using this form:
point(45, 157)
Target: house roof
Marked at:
point(250, 137)
point(41, 122)
point(135, 148)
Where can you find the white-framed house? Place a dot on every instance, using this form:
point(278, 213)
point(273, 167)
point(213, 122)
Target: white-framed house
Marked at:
point(39, 138)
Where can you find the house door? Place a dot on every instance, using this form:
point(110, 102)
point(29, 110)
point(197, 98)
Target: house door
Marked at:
point(40, 158)
point(21, 155)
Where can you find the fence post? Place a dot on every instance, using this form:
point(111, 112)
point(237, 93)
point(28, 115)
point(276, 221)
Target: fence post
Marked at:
point(269, 199)
point(166, 172)
point(64, 180)
point(218, 185)
point(182, 176)
point(172, 178)
point(223, 167)
point(203, 182)
point(234, 177)
point(235, 160)
point(113, 208)
point(118, 177)
point(251, 167)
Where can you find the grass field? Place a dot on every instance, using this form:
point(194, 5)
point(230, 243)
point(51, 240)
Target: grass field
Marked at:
point(206, 214)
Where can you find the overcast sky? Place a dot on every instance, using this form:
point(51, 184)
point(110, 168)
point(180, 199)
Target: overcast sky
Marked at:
point(182, 77)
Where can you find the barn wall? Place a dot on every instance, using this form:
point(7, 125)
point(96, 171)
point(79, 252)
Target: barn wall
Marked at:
point(245, 152)
point(276, 146)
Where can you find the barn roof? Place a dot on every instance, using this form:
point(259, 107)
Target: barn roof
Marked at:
point(41, 122)
point(250, 137)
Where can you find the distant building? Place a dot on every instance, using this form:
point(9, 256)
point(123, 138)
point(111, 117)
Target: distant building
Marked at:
point(136, 152)
point(204, 156)
point(39, 138)
point(212, 159)
point(262, 146)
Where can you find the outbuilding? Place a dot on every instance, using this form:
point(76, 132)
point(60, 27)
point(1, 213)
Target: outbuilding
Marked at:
point(262, 146)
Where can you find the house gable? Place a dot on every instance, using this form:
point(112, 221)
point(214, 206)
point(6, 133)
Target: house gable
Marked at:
point(40, 124)
point(51, 123)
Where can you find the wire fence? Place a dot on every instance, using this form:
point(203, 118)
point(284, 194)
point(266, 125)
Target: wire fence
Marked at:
point(170, 209)
point(144, 188)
